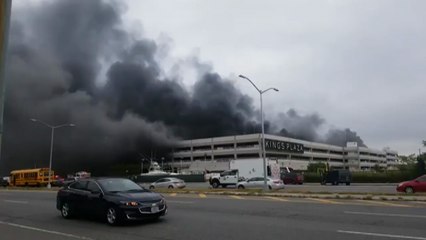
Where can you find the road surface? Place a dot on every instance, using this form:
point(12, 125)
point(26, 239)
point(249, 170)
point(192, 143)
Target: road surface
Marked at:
point(32, 215)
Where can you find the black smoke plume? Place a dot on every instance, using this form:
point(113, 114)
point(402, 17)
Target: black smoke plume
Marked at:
point(341, 137)
point(305, 127)
point(71, 61)
point(298, 126)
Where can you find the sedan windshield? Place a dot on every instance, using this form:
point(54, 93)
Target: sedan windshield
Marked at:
point(119, 185)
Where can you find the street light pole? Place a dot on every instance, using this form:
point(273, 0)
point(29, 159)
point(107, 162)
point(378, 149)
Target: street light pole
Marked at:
point(50, 158)
point(52, 134)
point(265, 186)
point(162, 163)
point(261, 92)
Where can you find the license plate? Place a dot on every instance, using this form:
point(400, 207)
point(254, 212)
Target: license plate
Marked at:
point(155, 209)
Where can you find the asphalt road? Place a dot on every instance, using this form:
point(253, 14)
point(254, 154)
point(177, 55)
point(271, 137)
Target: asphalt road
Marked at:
point(32, 215)
point(378, 188)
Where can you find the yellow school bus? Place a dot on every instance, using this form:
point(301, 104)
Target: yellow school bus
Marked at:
point(31, 177)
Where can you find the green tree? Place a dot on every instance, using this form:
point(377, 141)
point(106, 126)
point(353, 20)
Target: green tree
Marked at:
point(410, 159)
point(420, 166)
point(377, 168)
point(317, 167)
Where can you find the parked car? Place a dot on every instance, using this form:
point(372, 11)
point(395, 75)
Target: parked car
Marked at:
point(4, 181)
point(58, 181)
point(416, 185)
point(112, 199)
point(258, 182)
point(168, 183)
point(335, 177)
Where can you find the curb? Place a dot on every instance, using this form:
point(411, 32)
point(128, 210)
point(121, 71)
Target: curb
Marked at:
point(304, 195)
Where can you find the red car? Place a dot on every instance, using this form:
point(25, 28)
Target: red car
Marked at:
point(416, 185)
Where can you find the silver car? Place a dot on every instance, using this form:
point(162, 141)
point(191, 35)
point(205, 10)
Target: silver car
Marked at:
point(257, 182)
point(168, 183)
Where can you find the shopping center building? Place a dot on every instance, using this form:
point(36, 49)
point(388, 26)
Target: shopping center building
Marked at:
point(289, 152)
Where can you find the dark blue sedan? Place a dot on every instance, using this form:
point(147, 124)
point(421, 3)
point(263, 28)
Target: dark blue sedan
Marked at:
point(112, 199)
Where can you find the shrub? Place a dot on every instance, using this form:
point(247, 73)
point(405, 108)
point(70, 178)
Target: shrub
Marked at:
point(317, 167)
point(370, 177)
point(312, 177)
point(383, 177)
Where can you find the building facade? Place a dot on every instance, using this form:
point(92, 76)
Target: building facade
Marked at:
point(289, 152)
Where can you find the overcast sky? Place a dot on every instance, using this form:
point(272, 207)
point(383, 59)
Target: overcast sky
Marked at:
point(359, 64)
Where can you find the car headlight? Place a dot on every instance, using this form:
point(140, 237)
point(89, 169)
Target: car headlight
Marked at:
point(129, 203)
point(163, 201)
point(400, 185)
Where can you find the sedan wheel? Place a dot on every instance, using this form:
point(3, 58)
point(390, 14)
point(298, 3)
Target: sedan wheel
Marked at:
point(240, 187)
point(409, 190)
point(151, 187)
point(171, 186)
point(66, 210)
point(112, 216)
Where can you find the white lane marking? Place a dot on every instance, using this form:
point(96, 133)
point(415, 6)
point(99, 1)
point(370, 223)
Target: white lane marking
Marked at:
point(236, 197)
point(386, 214)
point(381, 235)
point(16, 201)
point(46, 231)
point(183, 202)
point(277, 199)
point(381, 203)
point(327, 201)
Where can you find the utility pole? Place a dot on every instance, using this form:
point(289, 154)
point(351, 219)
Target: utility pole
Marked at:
point(5, 10)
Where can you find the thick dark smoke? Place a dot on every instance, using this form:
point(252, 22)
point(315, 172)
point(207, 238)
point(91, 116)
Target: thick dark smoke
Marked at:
point(71, 61)
point(298, 126)
point(340, 137)
point(56, 54)
point(306, 127)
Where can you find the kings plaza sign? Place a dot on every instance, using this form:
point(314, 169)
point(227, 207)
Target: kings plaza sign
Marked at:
point(280, 146)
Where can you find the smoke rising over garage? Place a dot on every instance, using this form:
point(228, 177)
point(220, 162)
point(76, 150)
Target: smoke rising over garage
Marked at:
point(57, 52)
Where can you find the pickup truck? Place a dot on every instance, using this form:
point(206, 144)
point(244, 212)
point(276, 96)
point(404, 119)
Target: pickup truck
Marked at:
point(224, 179)
point(290, 177)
